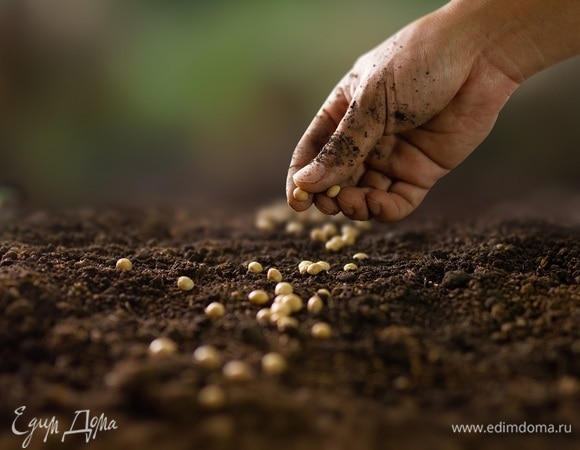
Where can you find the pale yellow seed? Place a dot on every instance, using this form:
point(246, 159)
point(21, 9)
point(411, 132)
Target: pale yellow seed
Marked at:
point(349, 267)
point(294, 227)
point(286, 322)
point(258, 297)
point(317, 234)
point(325, 265)
point(335, 243)
point(300, 195)
point(314, 269)
point(185, 283)
point(348, 239)
point(265, 224)
point(255, 267)
point(124, 265)
point(281, 309)
point(321, 330)
point(207, 356)
point(283, 288)
point(162, 346)
point(293, 301)
point(315, 304)
point(263, 316)
point(211, 397)
point(333, 191)
point(215, 310)
point(275, 317)
point(350, 230)
point(324, 293)
point(274, 275)
point(303, 266)
point(329, 230)
point(237, 371)
point(360, 256)
point(274, 363)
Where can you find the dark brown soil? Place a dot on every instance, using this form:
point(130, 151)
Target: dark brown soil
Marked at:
point(446, 323)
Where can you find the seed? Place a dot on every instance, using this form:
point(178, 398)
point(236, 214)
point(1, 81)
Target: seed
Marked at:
point(237, 371)
point(281, 309)
point(335, 243)
point(283, 288)
point(265, 224)
point(215, 310)
point(314, 269)
point(350, 267)
point(124, 265)
point(300, 195)
point(185, 283)
point(321, 330)
point(294, 227)
point(285, 322)
point(324, 293)
point(258, 297)
point(207, 356)
point(329, 230)
point(303, 266)
point(333, 191)
point(274, 275)
point(360, 256)
point(317, 234)
point(255, 267)
point(263, 316)
point(315, 304)
point(274, 363)
point(325, 266)
point(211, 397)
point(293, 301)
point(162, 346)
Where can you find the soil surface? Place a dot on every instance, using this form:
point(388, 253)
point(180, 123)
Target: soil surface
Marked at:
point(446, 323)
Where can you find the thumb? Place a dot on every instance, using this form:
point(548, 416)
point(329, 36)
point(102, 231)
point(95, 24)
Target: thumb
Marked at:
point(355, 136)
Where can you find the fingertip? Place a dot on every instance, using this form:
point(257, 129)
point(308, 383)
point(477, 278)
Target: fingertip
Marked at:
point(309, 175)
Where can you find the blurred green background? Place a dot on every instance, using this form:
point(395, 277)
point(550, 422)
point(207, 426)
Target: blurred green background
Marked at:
point(164, 101)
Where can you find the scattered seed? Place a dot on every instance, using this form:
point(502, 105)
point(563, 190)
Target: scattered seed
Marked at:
point(215, 310)
point(274, 275)
point(263, 316)
point(317, 234)
point(325, 265)
point(274, 363)
point(360, 256)
point(349, 267)
point(324, 293)
point(335, 243)
point(303, 266)
point(237, 371)
point(207, 356)
point(258, 297)
point(330, 230)
point(300, 195)
point(286, 322)
point(124, 265)
point(294, 227)
point(185, 283)
point(162, 346)
point(211, 397)
point(333, 191)
point(293, 301)
point(255, 267)
point(321, 330)
point(281, 309)
point(315, 304)
point(314, 269)
point(283, 288)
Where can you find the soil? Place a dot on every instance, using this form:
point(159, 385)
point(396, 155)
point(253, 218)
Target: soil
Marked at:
point(447, 322)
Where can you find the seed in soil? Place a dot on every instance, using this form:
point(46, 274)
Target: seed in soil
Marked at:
point(286, 322)
point(314, 304)
point(258, 297)
point(323, 293)
point(314, 269)
point(325, 265)
point(360, 256)
point(124, 265)
point(211, 397)
point(330, 230)
point(237, 371)
point(293, 301)
point(300, 195)
point(274, 275)
point(263, 316)
point(294, 227)
point(255, 267)
point(283, 288)
point(185, 283)
point(215, 310)
point(349, 267)
point(281, 309)
point(207, 356)
point(162, 346)
point(274, 363)
point(317, 234)
point(333, 191)
point(335, 243)
point(321, 330)
point(303, 266)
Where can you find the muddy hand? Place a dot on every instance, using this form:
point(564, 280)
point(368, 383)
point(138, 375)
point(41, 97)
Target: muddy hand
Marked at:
point(407, 113)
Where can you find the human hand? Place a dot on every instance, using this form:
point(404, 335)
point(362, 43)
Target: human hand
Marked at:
point(407, 113)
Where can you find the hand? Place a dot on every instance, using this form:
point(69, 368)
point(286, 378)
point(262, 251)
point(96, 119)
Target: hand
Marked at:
point(407, 113)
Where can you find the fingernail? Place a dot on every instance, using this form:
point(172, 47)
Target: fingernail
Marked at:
point(374, 206)
point(347, 209)
point(310, 174)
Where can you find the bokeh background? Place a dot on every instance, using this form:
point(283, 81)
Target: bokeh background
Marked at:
point(180, 101)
